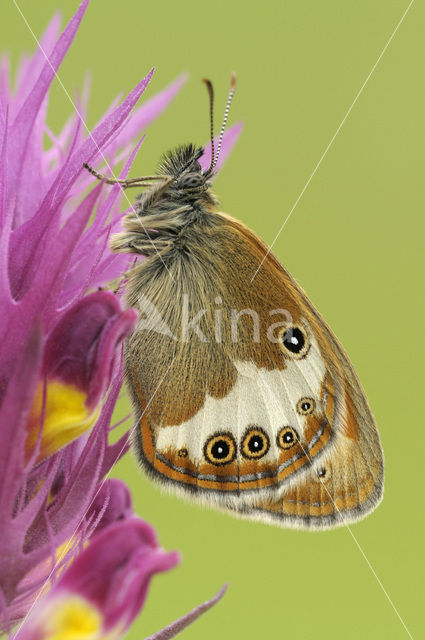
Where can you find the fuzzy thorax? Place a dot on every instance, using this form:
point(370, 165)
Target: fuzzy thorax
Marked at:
point(166, 208)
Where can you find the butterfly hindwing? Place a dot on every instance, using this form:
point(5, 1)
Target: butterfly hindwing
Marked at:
point(347, 482)
point(344, 486)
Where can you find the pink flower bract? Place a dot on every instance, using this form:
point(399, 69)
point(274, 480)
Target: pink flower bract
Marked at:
point(59, 347)
point(60, 352)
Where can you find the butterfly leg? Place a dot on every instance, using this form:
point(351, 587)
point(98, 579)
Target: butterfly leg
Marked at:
point(132, 182)
point(150, 198)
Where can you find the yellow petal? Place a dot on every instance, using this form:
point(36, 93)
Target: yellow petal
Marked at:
point(70, 618)
point(45, 566)
point(66, 418)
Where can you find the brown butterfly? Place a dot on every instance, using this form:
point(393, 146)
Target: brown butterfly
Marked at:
point(243, 397)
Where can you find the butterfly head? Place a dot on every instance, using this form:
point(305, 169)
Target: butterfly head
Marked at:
point(187, 183)
point(183, 165)
point(187, 180)
point(176, 198)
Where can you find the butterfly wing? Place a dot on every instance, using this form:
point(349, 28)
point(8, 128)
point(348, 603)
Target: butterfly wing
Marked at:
point(344, 485)
point(242, 444)
point(344, 489)
point(239, 409)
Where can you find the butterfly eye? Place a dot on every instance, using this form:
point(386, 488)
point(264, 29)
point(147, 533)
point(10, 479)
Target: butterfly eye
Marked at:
point(305, 406)
point(294, 341)
point(190, 181)
point(287, 437)
point(322, 473)
point(255, 444)
point(220, 449)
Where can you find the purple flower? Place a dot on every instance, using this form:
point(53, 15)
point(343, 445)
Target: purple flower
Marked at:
point(60, 348)
point(79, 360)
point(44, 505)
point(104, 588)
point(60, 356)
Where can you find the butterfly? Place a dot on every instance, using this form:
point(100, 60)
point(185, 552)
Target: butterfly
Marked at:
point(243, 397)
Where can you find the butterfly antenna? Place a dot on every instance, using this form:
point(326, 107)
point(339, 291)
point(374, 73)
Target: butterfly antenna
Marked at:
point(226, 115)
point(211, 97)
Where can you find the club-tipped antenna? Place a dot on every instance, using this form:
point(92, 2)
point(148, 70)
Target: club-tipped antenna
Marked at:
point(226, 115)
point(211, 97)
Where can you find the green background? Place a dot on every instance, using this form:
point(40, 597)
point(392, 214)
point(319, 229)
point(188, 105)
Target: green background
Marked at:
point(354, 242)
